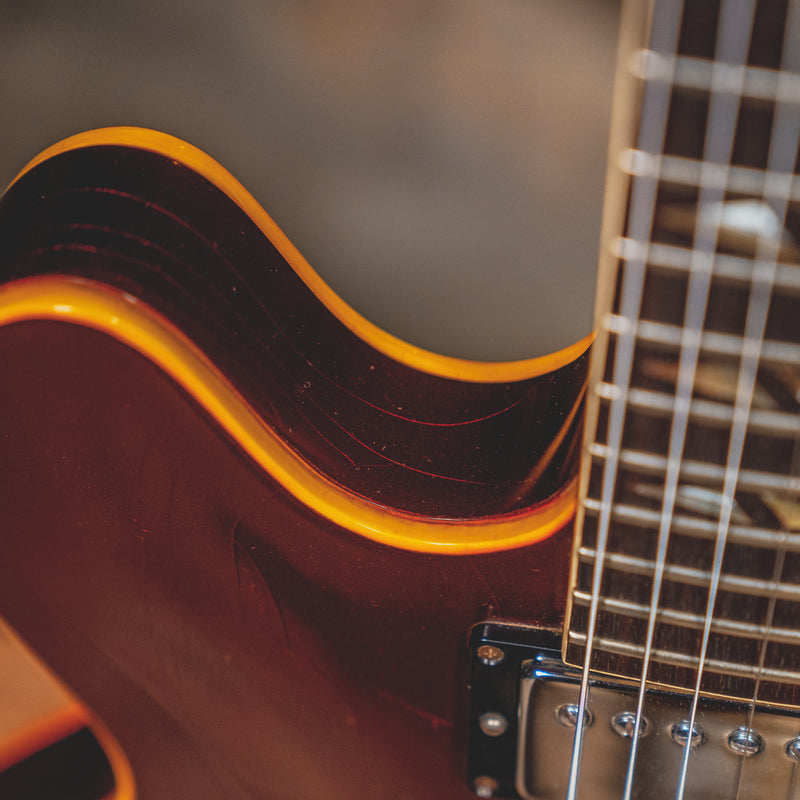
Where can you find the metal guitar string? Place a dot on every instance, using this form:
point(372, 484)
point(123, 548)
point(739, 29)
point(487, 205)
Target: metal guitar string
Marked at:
point(782, 156)
point(794, 780)
point(733, 38)
point(778, 179)
point(663, 38)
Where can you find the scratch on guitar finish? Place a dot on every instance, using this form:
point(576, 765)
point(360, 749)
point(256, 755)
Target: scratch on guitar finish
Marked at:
point(494, 609)
point(255, 578)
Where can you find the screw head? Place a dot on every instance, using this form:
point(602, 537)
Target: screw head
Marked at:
point(745, 741)
point(680, 733)
point(485, 786)
point(792, 748)
point(492, 723)
point(624, 724)
point(490, 655)
point(567, 715)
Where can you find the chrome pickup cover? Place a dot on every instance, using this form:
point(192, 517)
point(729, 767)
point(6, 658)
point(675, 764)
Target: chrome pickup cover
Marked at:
point(728, 759)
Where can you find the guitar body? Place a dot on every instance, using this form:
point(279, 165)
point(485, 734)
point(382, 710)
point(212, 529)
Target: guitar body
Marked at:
point(274, 549)
point(237, 637)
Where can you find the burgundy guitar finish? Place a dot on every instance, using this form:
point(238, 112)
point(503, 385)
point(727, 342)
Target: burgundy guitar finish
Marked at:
point(236, 643)
point(402, 438)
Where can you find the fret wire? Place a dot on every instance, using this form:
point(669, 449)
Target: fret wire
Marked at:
point(727, 267)
point(685, 619)
point(760, 421)
point(692, 576)
point(664, 30)
point(652, 463)
point(694, 172)
point(699, 528)
point(691, 72)
point(683, 660)
point(710, 341)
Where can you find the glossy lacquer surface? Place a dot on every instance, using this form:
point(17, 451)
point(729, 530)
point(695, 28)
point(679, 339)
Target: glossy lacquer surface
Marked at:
point(238, 642)
point(404, 438)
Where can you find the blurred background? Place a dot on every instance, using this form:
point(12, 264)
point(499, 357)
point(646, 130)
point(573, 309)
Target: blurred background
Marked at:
point(439, 162)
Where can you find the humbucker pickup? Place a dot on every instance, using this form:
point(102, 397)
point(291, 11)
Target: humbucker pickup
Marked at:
point(524, 708)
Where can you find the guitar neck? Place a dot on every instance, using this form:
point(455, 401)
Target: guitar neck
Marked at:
point(686, 556)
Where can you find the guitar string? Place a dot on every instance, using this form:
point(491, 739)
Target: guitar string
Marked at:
point(755, 326)
point(784, 146)
point(732, 41)
point(793, 791)
point(664, 25)
point(731, 48)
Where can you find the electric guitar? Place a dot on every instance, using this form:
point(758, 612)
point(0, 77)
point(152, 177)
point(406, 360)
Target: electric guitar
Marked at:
point(274, 552)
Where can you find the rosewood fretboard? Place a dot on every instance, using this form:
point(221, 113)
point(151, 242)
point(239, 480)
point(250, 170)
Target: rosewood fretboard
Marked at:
point(692, 462)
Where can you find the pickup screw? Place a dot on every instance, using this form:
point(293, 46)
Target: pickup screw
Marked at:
point(567, 715)
point(680, 734)
point(745, 741)
point(624, 724)
point(485, 786)
point(490, 655)
point(492, 723)
point(792, 748)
